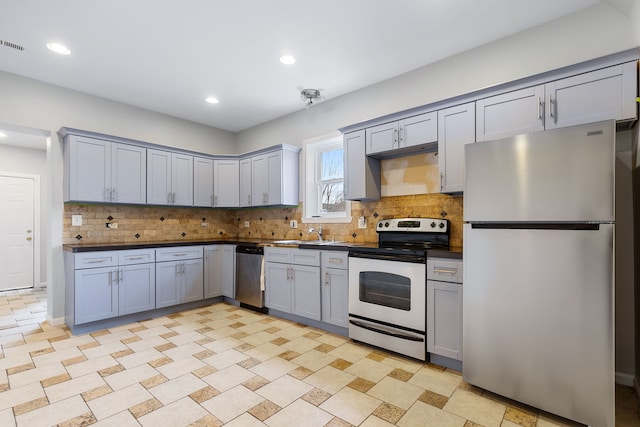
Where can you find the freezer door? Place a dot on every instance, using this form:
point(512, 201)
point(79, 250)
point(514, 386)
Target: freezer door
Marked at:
point(559, 175)
point(538, 318)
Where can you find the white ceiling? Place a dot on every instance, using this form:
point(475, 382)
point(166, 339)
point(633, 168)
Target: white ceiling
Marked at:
point(168, 55)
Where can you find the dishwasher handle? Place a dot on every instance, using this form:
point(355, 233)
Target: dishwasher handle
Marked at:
point(251, 250)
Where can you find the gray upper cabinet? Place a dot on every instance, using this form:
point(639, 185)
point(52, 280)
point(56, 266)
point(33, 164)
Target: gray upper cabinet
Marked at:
point(169, 178)
point(388, 138)
point(245, 182)
point(456, 127)
point(361, 172)
point(98, 170)
point(202, 182)
point(226, 183)
point(273, 177)
point(607, 93)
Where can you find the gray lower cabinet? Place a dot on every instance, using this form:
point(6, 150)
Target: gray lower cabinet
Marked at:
point(179, 275)
point(109, 284)
point(335, 287)
point(444, 308)
point(219, 271)
point(292, 281)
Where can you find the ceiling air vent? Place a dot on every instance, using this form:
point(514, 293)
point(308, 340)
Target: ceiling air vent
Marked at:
point(11, 45)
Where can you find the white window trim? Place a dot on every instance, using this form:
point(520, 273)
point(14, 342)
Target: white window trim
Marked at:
point(309, 165)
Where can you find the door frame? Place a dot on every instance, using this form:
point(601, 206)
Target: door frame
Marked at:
point(36, 221)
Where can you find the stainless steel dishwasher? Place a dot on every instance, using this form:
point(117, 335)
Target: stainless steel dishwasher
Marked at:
point(249, 280)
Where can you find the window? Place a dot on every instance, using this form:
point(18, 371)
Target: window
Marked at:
point(324, 175)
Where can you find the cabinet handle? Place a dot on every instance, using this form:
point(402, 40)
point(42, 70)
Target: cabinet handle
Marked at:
point(540, 108)
point(169, 197)
point(177, 269)
point(395, 138)
point(107, 194)
point(335, 260)
point(114, 276)
point(326, 278)
point(550, 106)
point(131, 258)
point(180, 254)
point(99, 261)
point(215, 200)
point(173, 198)
point(114, 195)
point(120, 275)
point(211, 198)
point(249, 199)
point(445, 270)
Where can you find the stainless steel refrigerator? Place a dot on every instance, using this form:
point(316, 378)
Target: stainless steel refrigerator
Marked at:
point(539, 270)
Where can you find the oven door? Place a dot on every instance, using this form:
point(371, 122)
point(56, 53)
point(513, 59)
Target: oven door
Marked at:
point(390, 292)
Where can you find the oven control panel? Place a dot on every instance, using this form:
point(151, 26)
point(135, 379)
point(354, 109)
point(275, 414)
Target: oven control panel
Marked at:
point(420, 225)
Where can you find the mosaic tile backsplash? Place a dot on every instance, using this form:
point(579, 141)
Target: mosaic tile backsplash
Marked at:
point(149, 224)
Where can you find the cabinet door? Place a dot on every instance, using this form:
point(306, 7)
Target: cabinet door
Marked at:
point(137, 288)
point(182, 179)
point(592, 97)
point(335, 296)
point(89, 169)
point(274, 178)
point(382, 138)
point(192, 280)
point(229, 271)
point(509, 114)
point(226, 183)
point(259, 180)
point(305, 291)
point(168, 289)
point(158, 177)
point(245, 182)
point(213, 271)
point(278, 286)
point(361, 173)
point(96, 294)
point(202, 182)
point(128, 174)
point(444, 319)
point(456, 128)
point(418, 130)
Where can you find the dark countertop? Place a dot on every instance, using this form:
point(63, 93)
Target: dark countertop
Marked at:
point(454, 253)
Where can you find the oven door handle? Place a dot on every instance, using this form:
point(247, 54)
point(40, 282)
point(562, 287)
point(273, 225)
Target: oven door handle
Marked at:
point(382, 331)
point(416, 259)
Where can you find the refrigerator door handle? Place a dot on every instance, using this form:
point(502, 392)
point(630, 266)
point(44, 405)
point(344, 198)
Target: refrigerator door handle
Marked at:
point(537, 226)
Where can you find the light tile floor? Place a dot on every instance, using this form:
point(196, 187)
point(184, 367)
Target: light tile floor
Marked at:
point(224, 365)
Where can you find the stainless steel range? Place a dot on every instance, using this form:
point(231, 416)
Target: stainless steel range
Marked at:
point(387, 284)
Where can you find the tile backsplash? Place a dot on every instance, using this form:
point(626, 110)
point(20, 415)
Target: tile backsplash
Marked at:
point(148, 224)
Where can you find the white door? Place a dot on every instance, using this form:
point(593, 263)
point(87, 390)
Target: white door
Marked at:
point(16, 232)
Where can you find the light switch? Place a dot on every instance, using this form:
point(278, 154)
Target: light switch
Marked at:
point(76, 220)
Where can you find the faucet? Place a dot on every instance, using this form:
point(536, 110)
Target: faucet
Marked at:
point(318, 231)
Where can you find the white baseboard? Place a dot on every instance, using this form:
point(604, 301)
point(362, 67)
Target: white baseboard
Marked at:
point(41, 285)
point(627, 380)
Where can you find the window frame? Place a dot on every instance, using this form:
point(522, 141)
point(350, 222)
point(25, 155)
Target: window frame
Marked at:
point(311, 198)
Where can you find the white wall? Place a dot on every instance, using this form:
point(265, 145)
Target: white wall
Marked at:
point(595, 32)
point(36, 105)
point(32, 162)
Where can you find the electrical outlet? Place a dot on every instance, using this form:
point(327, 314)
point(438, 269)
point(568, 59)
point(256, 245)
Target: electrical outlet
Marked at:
point(114, 225)
point(76, 220)
point(293, 223)
point(204, 224)
point(362, 222)
point(246, 224)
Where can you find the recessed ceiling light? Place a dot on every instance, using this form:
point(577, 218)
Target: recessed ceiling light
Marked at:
point(3, 135)
point(287, 59)
point(58, 48)
point(212, 100)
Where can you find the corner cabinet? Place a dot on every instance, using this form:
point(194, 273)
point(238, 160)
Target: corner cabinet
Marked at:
point(202, 182)
point(219, 271)
point(98, 170)
point(226, 183)
point(456, 128)
point(444, 308)
point(270, 178)
point(361, 172)
point(169, 178)
point(607, 93)
point(292, 281)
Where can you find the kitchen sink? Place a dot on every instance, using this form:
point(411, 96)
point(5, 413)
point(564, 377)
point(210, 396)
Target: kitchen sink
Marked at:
point(305, 242)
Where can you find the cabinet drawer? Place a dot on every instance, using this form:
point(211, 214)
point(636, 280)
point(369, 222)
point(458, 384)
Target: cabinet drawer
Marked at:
point(96, 259)
point(335, 259)
point(305, 257)
point(179, 253)
point(274, 254)
point(136, 256)
point(444, 270)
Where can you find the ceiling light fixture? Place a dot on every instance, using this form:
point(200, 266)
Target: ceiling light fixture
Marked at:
point(212, 100)
point(287, 59)
point(58, 48)
point(3, 135)
point(310, 95)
